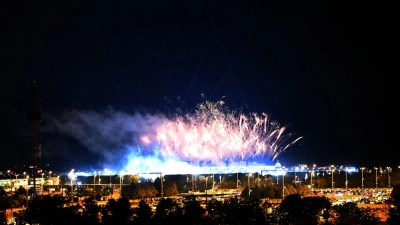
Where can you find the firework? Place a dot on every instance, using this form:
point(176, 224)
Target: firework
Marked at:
point(215, 136)
point(211, 136)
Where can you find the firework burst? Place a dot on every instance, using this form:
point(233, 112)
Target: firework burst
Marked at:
point(214, 134)
point(211, 136)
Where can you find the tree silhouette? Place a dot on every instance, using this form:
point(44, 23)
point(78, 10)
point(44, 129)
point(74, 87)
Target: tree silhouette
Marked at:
point(317, 206)
point(393, 216)
point(143, 214)
point(290, 189)
point(118, 211)
point(43, 206)
point(303, 189)
point(216, 210)
point(134, 179)
point(20, 191)
point(5, 202)
point(321, 182)
point(349, 213)
point(292, 209)
point(139, 191)
point(107, 191)
point(168, 212)
point(395, 195)
point(193, 210)
point(169, 187)
point(251, 212)
point(3, 219)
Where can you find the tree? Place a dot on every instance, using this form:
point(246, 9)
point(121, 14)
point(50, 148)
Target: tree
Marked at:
point(292, 209)
point(290, 190)
point(118, 211)
point(193, 210)
point(3, 219)
point(134, 179)
point(168, 212)
point(245, 193)
point(250, 212)
point(20, 191)
point(395, 194)
point(303, 189)
point(43, 206)
point(139, 191)
point(321, 182)
point(107, 191)
point(216, 210)
point(143, 213)
point(4, 200)
point(269, 191)
point(318, 206)
point(31, 192)
point(348, 213)
point(393, 216)
point(170, 189)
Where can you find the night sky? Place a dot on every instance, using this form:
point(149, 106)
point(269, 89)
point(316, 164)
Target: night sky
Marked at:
point(322, 68)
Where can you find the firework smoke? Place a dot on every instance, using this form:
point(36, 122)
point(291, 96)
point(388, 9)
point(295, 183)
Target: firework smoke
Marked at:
point(211, 136)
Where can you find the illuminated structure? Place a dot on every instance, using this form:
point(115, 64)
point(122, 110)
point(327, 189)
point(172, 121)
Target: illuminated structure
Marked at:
point(277, 170)
point(34, 117)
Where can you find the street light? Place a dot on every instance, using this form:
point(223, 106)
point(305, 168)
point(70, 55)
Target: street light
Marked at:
point(16, 180)
point(248, 182)
point(27, 190)
point(120, 181)
point(71, 174)
point(94, 184)
point(72, 189)
point(237, 180)
point(206, 189)
point(48, 192)
point(26, 179)
point(58, 181)
point(362, 178)
point(312, 174)
point(162, 187)
point(346, 182)
point(376, 177)
point(283, 184)
point(195, 183)
point(8, 171)
point(120, 184)
point(333, 170)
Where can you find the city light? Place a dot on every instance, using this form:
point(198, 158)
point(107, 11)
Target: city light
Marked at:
point(362, 177)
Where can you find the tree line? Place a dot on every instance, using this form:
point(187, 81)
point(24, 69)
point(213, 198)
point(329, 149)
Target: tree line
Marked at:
point(294, 209)
point(297, 207)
